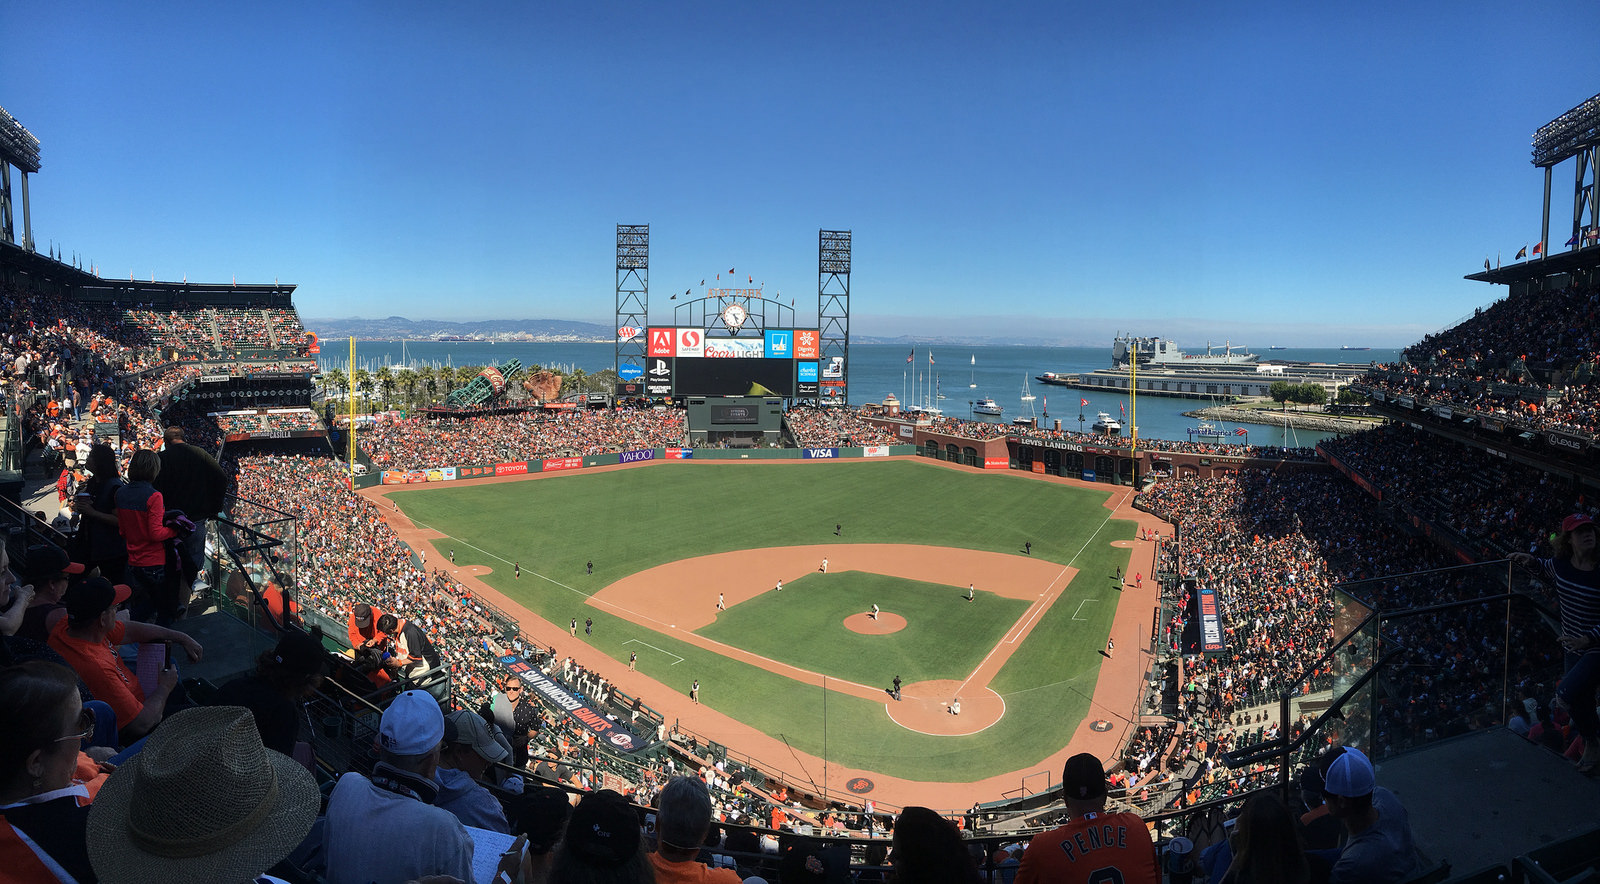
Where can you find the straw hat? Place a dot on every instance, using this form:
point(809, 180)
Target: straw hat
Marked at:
point(203, 801)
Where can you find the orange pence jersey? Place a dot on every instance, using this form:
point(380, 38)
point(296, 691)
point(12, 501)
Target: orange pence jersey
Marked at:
point(1099, 848)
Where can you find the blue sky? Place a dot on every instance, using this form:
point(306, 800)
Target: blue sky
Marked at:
point(1304, 174)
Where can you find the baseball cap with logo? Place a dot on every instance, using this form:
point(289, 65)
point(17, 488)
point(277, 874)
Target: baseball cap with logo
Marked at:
point(362, 614)
point(46, 562)
point(604, 830)
point(1350, 775)
point(469, 729)
point(1574, 522)
point(1083, 778)
point(412, 725)
point(90, 598)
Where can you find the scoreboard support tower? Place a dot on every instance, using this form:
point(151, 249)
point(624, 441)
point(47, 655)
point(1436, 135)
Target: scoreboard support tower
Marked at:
point(833, 313)
point(633, 298)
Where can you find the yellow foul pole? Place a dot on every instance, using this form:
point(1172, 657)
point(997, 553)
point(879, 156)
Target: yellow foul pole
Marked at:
point(1133, 410)
point(350, 379)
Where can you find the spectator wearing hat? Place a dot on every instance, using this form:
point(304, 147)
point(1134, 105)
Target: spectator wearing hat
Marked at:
point(88, 638)
point(386, 828)
point(470, 748)
point(141, 515)
point(683, 816)
point(364, 632)
point(203, 802)
point(1576, 578)
point(1071, 853)
point(192, 481)
point(1378, 846)
point(602, 844)
point(49, 573)
point(42, 721)
point(539, 814)
point(276, 693)
point(414, 651)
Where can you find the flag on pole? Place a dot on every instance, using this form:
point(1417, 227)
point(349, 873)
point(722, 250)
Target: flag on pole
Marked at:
point(1083, 402)
point(1241, 432)
point(1538, 248)
point(730, 271)
point(750, 279)
point(912, 355)
point(1573, 241)
point(1521, 253)
point(702, 282)
point(1486, 261)
point(930, 357)
point(1123, 409)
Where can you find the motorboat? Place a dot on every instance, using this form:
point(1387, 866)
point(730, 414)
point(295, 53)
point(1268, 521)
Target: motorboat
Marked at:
point(1105, 423)
point(986, 405)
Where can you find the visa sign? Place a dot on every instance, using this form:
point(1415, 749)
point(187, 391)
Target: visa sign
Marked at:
point(819, 453)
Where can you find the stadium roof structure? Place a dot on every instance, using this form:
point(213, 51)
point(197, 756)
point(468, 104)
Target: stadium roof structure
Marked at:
point(17, 145)
point(1586, 258)
point(1567, 135)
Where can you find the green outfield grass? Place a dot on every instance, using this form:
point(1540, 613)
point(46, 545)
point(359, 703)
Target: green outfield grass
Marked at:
point(945, 636)
point(629, 520)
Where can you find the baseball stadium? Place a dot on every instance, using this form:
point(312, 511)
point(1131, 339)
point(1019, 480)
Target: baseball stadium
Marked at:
point(714, 563)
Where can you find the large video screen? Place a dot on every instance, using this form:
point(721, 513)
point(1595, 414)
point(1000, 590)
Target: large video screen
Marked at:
point(732, 377)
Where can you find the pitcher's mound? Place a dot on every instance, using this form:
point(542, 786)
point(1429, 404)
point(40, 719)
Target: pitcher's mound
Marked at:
point(924, 707)
point(885, 624)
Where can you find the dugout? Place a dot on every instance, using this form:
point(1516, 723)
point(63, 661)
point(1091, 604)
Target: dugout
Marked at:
point(734, 421)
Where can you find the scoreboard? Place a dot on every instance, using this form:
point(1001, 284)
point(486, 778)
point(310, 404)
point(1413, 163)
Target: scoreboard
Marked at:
point(689, 362)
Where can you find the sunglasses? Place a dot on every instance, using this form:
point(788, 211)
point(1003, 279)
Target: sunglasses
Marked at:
point(87, 723)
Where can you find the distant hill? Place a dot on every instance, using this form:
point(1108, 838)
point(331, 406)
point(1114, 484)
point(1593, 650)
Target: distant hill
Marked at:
point(399, 328)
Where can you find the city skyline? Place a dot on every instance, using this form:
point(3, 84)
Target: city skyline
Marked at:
point(1297, 176)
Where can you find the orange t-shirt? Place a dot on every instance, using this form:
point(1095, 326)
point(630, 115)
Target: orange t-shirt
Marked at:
point(100, 668)
point(1098, 847)
point(690, 872)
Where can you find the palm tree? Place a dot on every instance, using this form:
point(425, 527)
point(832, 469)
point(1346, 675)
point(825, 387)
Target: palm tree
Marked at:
point(430, 382)
point(363, 380)
point(384, 379)
point(407, 379)
point(334, 378)
point(575, 382)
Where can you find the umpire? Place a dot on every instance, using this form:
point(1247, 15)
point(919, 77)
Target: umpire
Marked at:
point(191, 480)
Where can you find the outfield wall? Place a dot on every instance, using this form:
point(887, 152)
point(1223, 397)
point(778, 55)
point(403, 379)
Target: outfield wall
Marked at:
point(567, 464)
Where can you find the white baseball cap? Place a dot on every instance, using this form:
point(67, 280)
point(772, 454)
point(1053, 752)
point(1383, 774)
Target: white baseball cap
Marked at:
point(412, 725)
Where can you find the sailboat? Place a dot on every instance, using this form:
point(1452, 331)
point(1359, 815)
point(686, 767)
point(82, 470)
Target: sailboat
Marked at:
point(1032, 420)
point(972, 377)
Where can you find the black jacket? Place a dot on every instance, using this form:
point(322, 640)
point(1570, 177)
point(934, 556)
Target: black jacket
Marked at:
point(191, 480)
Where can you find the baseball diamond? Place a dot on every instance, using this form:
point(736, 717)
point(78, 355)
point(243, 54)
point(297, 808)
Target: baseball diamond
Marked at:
point(667, 538)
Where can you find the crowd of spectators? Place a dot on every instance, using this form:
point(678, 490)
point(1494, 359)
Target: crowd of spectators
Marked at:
point(275, 421)
point(1532, 358)
point(420, 443)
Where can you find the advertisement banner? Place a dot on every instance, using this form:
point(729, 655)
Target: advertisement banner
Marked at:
point(807, 343)
point(629, 372)
point(819, 453)
point(629, 389)
point(447, 474)
point(435, 475)
point(734, 348)
point(557, 464)
point(907, 431)
point(1570, 443)
point(680, 453)
point(628, 332)
point(874, 451)
point(393, 477)
point(806, 371)
point(510, 469)
point(1088, 475)
point(473, 472)
point(805, 389)
point(834, 368)
point(556, 694)
point(780, 344)
point(691, 342)
point(1210, 622)
point(663, 341)
point(636, 456)
point(997, 463)
point(658, 380)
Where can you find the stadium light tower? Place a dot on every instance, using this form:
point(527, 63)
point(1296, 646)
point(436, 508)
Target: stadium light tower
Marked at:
point(18, 148)
point(833, 311)
point(1575, 133)
point(633, 299)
